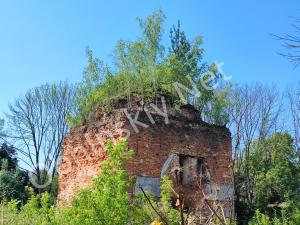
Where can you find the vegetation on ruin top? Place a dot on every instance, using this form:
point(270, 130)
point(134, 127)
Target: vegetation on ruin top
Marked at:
point(145, 69)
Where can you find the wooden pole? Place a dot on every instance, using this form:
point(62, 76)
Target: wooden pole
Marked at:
point(2, 213)
point(180, 199)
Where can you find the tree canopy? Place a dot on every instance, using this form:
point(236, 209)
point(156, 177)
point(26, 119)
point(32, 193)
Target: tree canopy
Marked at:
point(8, 153)
point(12, 184)
point(143, 70)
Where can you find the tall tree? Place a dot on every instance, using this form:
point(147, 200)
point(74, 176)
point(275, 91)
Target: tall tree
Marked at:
point(138, 60)
point(86, 98)
point(185, 62)
point(144, 73)
point(37, 124)
point(254, 114)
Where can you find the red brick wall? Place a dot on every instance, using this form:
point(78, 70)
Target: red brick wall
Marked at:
point(83, 149)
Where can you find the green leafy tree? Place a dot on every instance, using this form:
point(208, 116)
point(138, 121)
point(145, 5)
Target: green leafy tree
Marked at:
point(187, 68)
point(8, 153)
point(185, 58)
point(277, 176)
point(11, 184)
point(274, 178)
point(143, 73)
point(86, 96)
point(216, 110)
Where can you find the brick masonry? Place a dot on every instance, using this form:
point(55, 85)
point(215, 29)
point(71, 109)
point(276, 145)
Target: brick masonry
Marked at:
point(182, 136)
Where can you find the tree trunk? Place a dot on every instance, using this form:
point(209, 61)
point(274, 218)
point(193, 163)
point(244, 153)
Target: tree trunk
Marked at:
point(2, 213)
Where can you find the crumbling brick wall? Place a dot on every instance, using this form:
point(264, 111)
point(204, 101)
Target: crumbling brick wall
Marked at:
point(161, 143)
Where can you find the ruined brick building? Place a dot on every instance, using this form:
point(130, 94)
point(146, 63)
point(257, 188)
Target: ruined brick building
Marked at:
point(165, 141)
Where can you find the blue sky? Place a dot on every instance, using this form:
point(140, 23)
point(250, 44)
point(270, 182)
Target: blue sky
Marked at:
point(44, 41)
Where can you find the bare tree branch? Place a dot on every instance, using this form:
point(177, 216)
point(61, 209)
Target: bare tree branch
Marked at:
point(155, 210)
point(292, 43)
point(37, 126)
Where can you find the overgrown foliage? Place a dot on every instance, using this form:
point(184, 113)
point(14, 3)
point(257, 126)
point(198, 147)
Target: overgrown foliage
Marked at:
point(37, 211)
point(144, 71)
point(262, 219)
point(12, 184)
point(106, 202)
point(265, 156)
point(277, 176)
point(274, 178)
point(8, 153)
